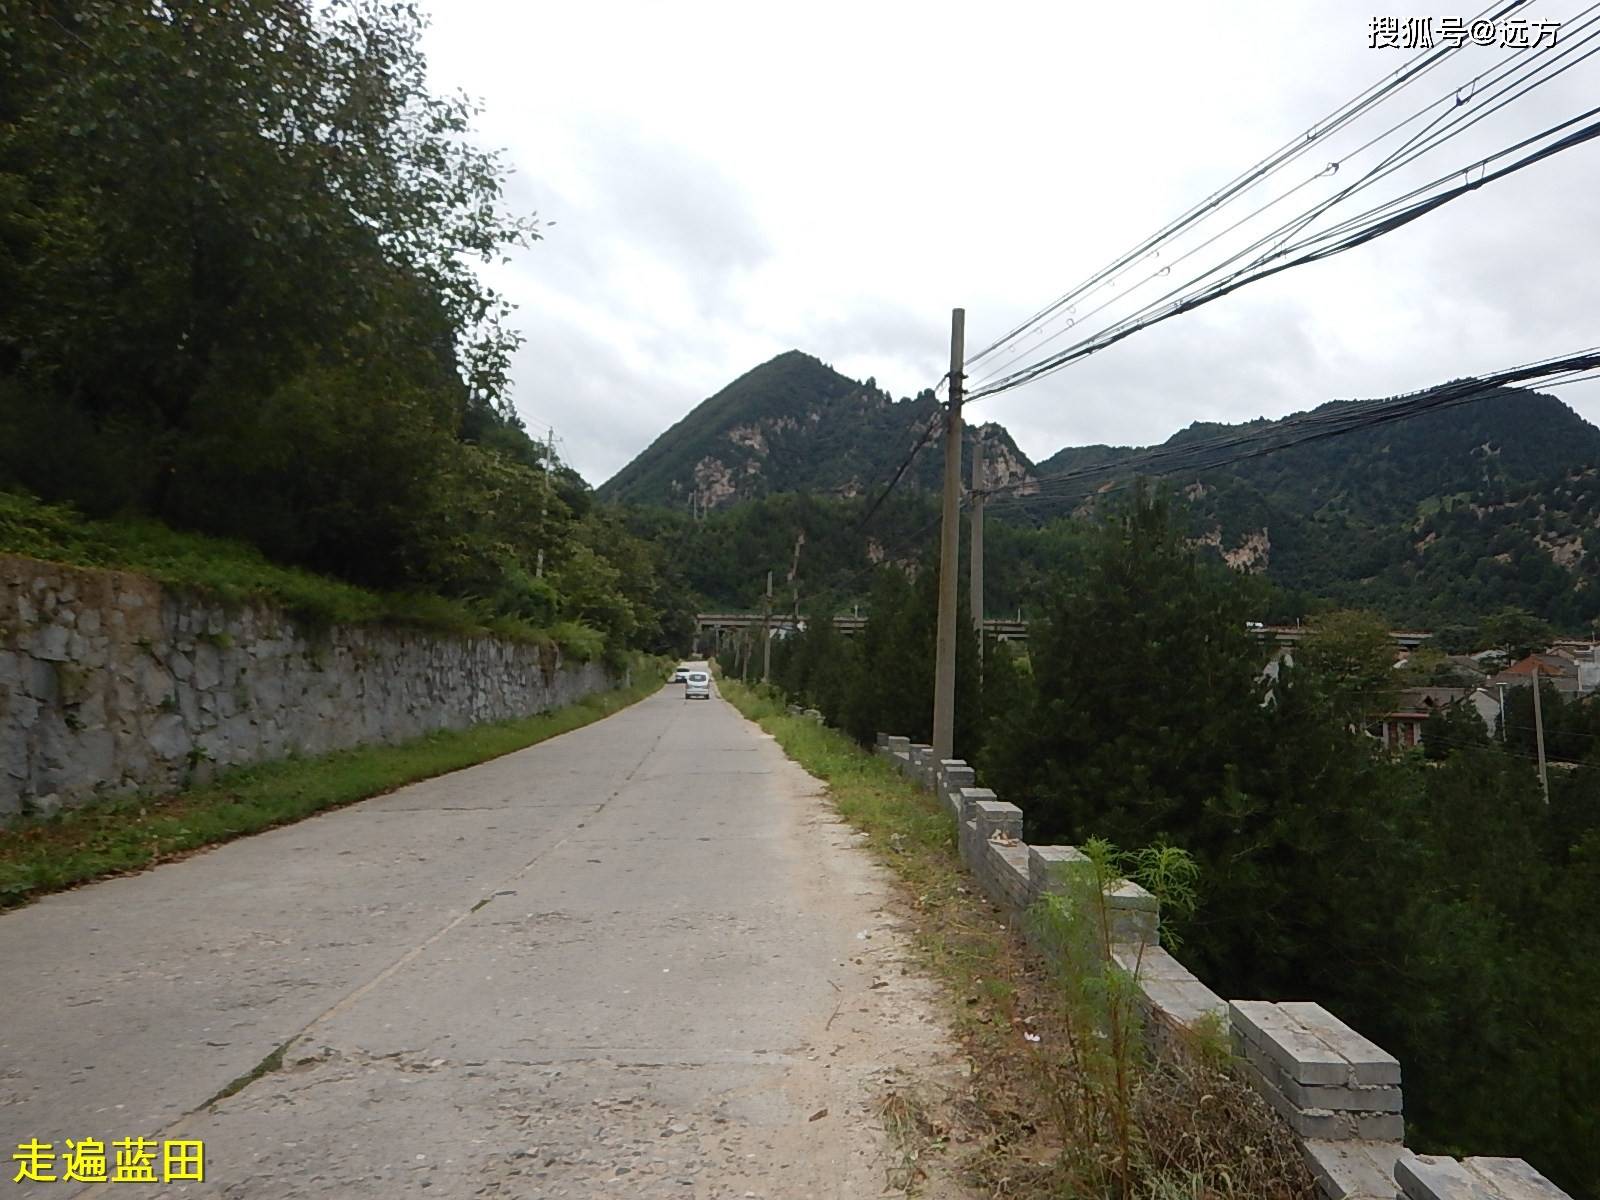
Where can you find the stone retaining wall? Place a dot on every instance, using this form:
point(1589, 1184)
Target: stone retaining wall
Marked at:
point(110, 683)
point(1338, 1091)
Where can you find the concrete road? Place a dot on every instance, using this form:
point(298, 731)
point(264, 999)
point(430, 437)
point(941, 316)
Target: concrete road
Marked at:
point(636, 960)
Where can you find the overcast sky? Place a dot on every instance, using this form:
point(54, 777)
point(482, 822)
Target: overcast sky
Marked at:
point(729, 181)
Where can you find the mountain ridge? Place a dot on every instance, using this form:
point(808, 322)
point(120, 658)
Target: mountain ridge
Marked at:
point(793, 423)
point(1461, 509)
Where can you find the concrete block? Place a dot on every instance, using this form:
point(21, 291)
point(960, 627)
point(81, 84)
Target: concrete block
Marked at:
point(996, 817)
point(1129, 895)
point(970, 845)
point(1182, 1004)
point(1372, 1065)
point(1346, 1098)
point(973, 796)
point(1435, 1177)
point(897, 745)
point(1173, 996)
point(1146, 963)
point(1325, 1124)
point(1312, 1046)
point(1006, 868)
point(1132, 913)
point(1057, 869)
point(1513, 1179)
point(957, 776)
point(1352, 1170)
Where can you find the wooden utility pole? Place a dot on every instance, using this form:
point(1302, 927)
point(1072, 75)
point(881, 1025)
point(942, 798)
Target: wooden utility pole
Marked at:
point(975, 565)
point(1538, 733)
point(944, 668)
point(766, 635)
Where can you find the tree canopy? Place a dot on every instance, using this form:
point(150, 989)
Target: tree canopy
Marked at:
point(238, 294)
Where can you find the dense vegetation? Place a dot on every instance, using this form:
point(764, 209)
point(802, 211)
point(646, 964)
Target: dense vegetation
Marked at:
point(793, 424)
point(237, 298)
point(1445, 517)
point(1433, 900)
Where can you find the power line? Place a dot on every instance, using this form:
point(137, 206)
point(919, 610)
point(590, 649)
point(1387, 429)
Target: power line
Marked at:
point(905, 463)
point(1455, 114)
point(1280, 244)
point(1275, 161)
point(1258, 270)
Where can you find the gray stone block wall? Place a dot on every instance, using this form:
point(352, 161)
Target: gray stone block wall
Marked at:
point(110, 683)
point(957, 775)
point(1337, 1090)
point(1174, 999)
point(1328, 1082)
point(1059, 869)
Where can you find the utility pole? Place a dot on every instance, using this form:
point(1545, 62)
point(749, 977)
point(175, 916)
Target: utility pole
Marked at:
point(1538, 733)
point(766, 636)
point(944, 670)
point(1502, 688)
point(544, 507)
point(975, 566)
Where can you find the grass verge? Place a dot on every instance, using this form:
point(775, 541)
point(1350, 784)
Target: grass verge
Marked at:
point(119, 836)
point(1020, 1129)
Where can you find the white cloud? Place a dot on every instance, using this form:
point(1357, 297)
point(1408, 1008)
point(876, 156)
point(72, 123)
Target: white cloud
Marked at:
point(730, 181)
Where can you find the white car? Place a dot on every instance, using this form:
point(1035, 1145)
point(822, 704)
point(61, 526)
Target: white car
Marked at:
point(697, 686)
point(680, 675)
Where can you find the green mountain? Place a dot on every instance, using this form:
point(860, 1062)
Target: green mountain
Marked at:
point(1458, 511)
point(795, 424)
point(1442, 517)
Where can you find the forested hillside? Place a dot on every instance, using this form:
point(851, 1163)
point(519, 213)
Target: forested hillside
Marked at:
point(1444, 517)
point(1437, 517)
point(794, 424)
point(237, 298)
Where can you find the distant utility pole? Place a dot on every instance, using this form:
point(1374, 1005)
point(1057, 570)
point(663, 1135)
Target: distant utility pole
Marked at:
point(1538, 733)
point(544, 507)
point(975, 566)
point(944, 670)
point(766, 635)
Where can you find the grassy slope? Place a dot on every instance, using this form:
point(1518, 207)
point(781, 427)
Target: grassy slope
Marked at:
point(128, 835)
point(234, 573)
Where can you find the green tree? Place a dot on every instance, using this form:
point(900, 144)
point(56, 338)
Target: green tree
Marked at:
point(1517, 632)
point(1353, 654)
point(1452, 728)
point(1144, 672)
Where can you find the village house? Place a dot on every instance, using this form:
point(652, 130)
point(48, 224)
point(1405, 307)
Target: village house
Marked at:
point(1401, 729)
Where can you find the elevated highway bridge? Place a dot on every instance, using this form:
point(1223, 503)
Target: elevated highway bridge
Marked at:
point(711, 626)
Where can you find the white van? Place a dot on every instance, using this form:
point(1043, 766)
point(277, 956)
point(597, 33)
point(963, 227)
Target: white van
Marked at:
point(697, 686)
